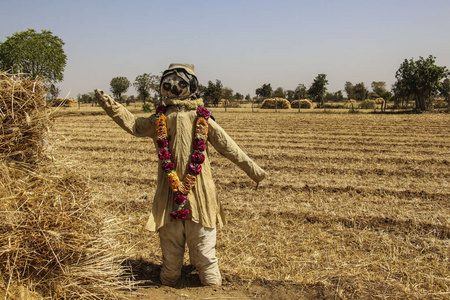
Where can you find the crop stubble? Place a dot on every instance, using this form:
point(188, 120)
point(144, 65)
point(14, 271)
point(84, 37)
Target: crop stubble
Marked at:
point(354, 205)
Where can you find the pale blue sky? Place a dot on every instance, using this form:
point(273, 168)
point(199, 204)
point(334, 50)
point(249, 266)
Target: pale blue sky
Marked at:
point(243, 43)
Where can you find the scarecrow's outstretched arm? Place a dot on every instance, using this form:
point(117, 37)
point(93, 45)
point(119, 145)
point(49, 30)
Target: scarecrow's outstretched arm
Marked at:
point(225, 145)
point(124, 118)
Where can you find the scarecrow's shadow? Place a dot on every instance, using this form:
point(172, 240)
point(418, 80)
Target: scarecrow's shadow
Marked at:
point(145, 273)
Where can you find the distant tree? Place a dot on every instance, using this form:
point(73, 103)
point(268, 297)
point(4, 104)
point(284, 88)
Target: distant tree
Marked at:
point(119, 85)
point(338, 96)
point(265, 91)
point(401, 94)
point(213, 92)
point(421, 78)
point(301, 92)
point(238, 96)
point(146, 83)
point(35, 54)
point(248, 97)
point(279, 92)
point(290, 95)
point(227, 93)
point(318, 89)
point(349, 89)
point(334, 97)
point(379, 87)
point(53, 91)
point(360, 92)
point(445, 92)
point(85, 98)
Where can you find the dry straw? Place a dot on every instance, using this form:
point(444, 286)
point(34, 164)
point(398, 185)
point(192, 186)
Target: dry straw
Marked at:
point(273, 103)
point(54, 242)
point(304, 103)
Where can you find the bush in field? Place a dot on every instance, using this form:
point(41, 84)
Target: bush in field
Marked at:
point(147, 108)
point(368, 104)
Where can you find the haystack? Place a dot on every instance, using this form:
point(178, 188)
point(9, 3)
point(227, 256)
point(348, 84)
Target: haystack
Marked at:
point(272, 103)
point(368, 104)
point(64, 102)
point(54, 242)
point(351, 104)
point(224, 102)
point(304, 103)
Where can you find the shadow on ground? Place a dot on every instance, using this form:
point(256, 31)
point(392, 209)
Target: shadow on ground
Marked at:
point(145, 273)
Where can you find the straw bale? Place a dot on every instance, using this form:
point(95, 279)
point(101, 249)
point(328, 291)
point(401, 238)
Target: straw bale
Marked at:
point(272, 103)
point(224, 102)
point(351, 103)
point(64, 102)
point(24, 118)
point(368, 104)
point(304, 103)
point(379, 101)
point(54, 241)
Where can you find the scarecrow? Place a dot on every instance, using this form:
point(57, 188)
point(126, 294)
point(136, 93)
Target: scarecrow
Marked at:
point(186, 208)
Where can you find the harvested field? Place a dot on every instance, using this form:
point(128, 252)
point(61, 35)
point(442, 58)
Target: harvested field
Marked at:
point(355, 206)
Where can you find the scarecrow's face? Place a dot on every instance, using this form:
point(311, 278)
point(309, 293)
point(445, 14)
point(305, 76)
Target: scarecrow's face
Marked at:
point(174, 87)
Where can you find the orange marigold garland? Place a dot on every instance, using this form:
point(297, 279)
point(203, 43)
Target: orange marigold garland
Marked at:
point(181, 189)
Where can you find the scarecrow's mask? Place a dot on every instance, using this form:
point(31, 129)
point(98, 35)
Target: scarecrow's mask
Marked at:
point(175, 87)
point(179, 82)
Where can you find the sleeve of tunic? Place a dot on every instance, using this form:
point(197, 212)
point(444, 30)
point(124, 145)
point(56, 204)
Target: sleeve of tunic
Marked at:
point(140, 127)
point(225, 145)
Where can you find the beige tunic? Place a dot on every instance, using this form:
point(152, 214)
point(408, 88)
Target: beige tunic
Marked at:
point(203, 202)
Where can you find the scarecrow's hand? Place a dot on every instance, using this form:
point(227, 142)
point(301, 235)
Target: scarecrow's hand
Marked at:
point(99, 95)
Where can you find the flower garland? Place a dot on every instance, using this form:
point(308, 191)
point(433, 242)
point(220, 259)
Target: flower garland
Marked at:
point(182, 188)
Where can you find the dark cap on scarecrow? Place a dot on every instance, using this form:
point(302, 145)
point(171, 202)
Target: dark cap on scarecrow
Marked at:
point(188, 68)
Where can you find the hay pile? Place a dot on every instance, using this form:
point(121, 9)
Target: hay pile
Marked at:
point(351, 104)
point(64, 102)
point(25, 119)
point(368, 104)
point(304, 103)
point(272, 103)
point(54, 242)
point(224, 102)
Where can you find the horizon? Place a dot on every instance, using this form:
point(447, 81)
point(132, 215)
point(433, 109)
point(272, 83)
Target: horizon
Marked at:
point(244, 44)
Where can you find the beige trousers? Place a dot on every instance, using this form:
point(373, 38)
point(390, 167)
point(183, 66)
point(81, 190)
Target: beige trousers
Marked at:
point(202, 251)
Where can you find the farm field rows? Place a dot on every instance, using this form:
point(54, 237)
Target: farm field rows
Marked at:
point(355, 205)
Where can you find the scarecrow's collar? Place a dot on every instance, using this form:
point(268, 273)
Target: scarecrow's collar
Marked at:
point(188, 104)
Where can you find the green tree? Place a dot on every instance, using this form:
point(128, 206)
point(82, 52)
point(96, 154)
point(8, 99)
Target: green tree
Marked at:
point(360, 92)
point(379, 87)
point(301, 92)
point(318, 89)
point(421, 78)
point(35, 54)
point(119, 85)
point(53, 91)
point(265, 91)
point(445, 92)
point(238, 96)
point(86, 98)
point(227, 93)
point(349, 89)
point(146, 83)
point(279, 92)
point(290, 95)
point(248, 97)
point(213, 92)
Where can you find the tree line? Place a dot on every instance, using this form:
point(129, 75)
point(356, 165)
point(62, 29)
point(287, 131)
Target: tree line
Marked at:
point(41, 55)
point(419, 80)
